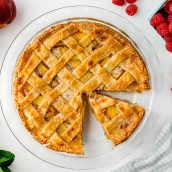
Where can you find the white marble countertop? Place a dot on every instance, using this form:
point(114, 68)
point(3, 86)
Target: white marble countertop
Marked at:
point(27, 10)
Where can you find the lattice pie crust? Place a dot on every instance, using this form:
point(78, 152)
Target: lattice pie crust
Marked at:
point(66, 61)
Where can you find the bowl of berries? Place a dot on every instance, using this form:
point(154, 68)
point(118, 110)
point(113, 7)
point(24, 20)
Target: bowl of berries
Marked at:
point(161, 21)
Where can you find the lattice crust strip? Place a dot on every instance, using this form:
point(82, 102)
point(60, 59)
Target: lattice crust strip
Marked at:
point(63, 63)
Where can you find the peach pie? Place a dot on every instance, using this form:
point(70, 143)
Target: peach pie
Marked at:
point(67, 61)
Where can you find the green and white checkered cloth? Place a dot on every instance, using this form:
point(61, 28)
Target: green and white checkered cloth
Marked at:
point(158, 160)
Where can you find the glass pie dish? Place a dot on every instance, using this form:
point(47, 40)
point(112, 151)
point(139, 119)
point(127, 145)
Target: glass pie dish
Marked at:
point(98, 150)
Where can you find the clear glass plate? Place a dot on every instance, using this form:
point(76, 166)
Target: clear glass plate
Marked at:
point(98, 150)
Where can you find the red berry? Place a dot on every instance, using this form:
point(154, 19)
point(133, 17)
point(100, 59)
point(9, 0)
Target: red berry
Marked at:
point(157, 19)
point(168, 38)
point(169, 18)
point(118, 2)
point(169, 46)
point(131, 10)
point(167, 6)
point(163, 30)
point(170, 9)
point(170, 27)
point(131, 1)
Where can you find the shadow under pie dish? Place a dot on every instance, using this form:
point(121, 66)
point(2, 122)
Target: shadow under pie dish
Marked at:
point(66, 61)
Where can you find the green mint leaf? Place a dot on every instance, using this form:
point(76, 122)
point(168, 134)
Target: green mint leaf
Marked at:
point(5, 169)
point(6, 158)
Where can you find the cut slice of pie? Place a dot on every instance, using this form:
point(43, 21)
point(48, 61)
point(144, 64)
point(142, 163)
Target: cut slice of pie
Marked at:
point(60, 65)
point(118, 118)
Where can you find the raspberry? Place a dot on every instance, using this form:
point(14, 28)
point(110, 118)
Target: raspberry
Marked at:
point(170, 27)
point(157, 19)
point(131, 1)
point(168, 38)
point(162, 29)
point(169, 18)
point(167, 6)
point(131, 10)
point(169, 46)
point(170, 9)
point(118, 2)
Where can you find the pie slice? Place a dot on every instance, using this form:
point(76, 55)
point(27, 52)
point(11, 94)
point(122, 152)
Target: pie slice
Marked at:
point(118, 118)
point(64, 62)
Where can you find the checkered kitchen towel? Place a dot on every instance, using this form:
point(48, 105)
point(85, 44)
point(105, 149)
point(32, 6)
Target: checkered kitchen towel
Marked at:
point(159, 160)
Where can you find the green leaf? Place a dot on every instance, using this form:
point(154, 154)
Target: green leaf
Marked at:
point(5, 169)
point(6, 158)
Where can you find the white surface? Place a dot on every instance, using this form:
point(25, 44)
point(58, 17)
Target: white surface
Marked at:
point(27, 11)
point(98, 150)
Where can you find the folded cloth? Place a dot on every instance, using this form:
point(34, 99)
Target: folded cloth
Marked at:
point(158, 160)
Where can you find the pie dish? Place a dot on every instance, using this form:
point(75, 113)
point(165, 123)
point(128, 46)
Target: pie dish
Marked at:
point(70, 60)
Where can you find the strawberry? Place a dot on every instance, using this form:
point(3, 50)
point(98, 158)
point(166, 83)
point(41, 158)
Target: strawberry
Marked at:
point(131, 10)
point(118, 2)
point(163, 30)
point(169, 46)
point(157, 19)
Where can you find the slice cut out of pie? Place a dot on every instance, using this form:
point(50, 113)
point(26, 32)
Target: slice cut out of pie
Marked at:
point(118, 118)
point(64, 62)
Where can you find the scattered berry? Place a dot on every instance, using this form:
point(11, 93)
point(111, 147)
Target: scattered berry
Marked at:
point(118, 2)
point(170, 27)
point(168, 38)
point(169, 19)
point(131, 10)
point(131, 1)
point(167, 6)
point(169, 46)
point(157, 19)
point(163, 30)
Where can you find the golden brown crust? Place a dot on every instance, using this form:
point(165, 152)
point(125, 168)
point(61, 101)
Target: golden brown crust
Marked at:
point(119, 127)
point(90, 56)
